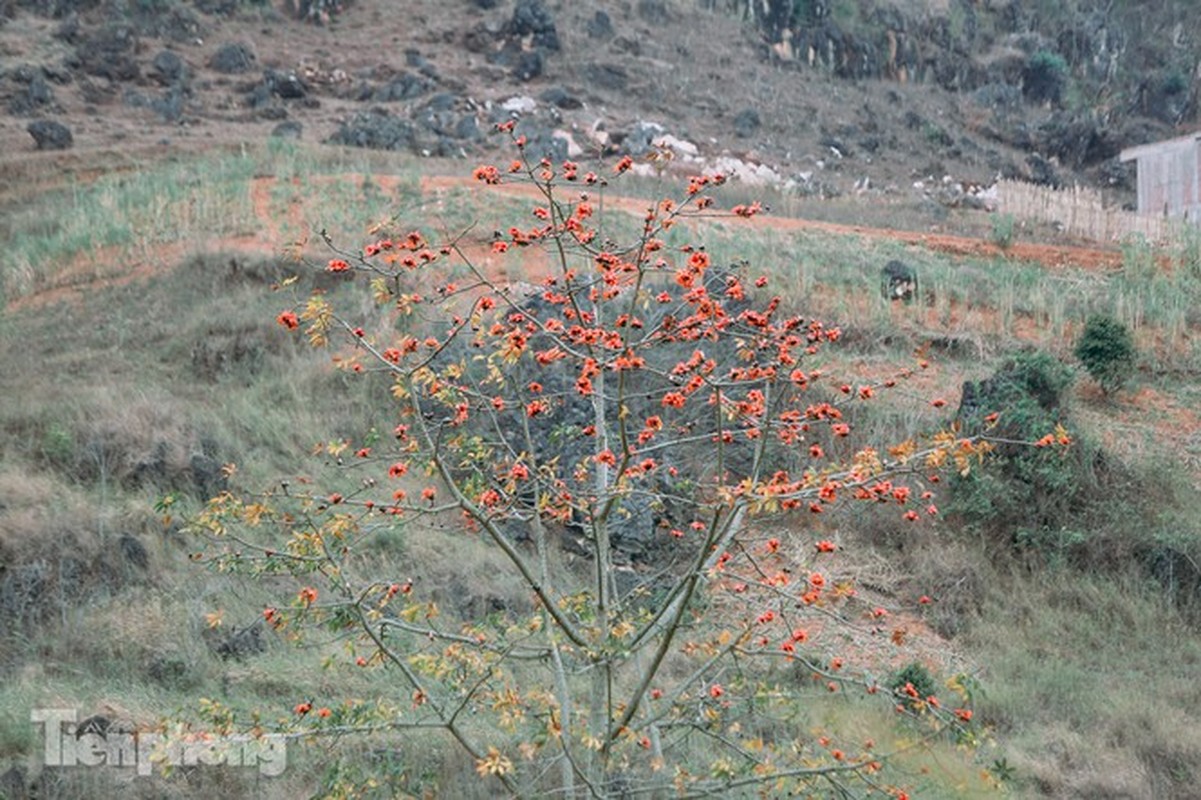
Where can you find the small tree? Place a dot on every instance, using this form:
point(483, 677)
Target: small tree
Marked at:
point(1106, 349)
point(662, 413)
point(1044, 77)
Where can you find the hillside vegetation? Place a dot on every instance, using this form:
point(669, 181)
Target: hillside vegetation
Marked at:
point(141, 373)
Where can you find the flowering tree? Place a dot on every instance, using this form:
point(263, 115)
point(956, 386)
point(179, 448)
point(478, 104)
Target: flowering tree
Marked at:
point(658, 414)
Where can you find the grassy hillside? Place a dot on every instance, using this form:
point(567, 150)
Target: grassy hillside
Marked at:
point(139, 361)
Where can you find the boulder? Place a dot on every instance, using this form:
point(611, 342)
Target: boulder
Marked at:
point(50, 135)
point(167, 68)
point(528, 65)
point(233, 58)
point(532, 18)
point(377, 130)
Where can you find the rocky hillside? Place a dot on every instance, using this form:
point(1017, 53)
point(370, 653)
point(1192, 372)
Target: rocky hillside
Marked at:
point(825, 98)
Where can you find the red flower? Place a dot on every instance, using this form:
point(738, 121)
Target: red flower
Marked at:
point(487, 173)
point(715, 691)
point(428, 494)
point(337, 265)
point(826, 546)
point(289, 320)
point(303, 708)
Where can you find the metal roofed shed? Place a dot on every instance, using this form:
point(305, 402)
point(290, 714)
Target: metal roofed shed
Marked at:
point(1169, 177)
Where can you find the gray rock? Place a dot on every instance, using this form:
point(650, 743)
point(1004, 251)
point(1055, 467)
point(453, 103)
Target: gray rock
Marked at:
point(287, 130)
point(607, 76)
point(561, 98)
point(36, 95)
point(528, 65)
point(533, 18)
point(746, 123)
point(50, 135)
point(638, 141)
point(167, 67)
point(232, 59)
point(654, 11)
point(467, 128)
point(600, 26)
point(286, 85)
point(403, 87)
point(376, 130)
point(110, 53)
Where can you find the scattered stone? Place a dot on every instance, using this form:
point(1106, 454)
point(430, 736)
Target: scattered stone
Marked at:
point(110, 53)
point(528, 66)
point(600, 26)
point(403, 87)
point(533, 18)
point(442, 101)
point(746, 123)
point(641, 137)
point(167, 68)
point(36, 95)
point(377, 130)
point(232, 59)
point(560, 98)
point(467, 128)
point(520, 105)
point(414, 59)
point(287, 130)
point(285, 85)
point(654, 11)
point(50, 135)
point(607, 76)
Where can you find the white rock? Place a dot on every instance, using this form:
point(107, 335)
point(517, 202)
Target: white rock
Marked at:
point(520, 105)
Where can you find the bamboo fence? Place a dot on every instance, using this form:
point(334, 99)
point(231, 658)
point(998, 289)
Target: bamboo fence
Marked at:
point(1081, 212)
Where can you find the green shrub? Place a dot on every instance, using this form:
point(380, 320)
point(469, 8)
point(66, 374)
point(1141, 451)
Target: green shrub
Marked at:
point(1106, 349)
point(1032, 489)
point(917, 676)
point(1045, 77)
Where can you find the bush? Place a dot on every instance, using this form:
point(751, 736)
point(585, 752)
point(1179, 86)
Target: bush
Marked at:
point(1034, 490)
point(1106, 348)
point(1044, 77)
